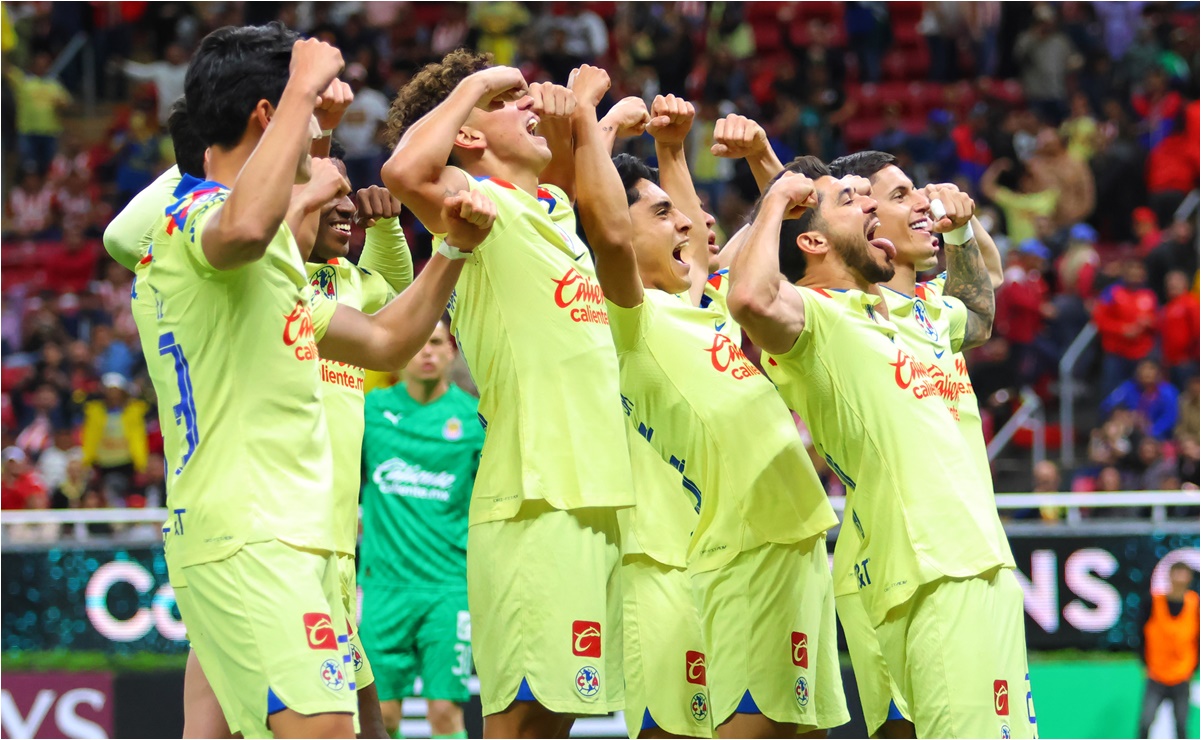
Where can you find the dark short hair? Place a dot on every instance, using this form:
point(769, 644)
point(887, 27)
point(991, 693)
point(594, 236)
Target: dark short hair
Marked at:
point(429, 88)
point(631, 169)
point(233, 69)
point(336, 150)
point(792, 259)
point(189, 149)
point(1178, 565)
point(861, 164)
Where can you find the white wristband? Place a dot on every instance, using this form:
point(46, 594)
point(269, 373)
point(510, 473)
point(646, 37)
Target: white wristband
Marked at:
point(326, 133)
point(451, 253)
point(957, 237)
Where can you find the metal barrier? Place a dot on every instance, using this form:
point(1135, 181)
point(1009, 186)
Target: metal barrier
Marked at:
point(1067, 394)
point(1028, 416)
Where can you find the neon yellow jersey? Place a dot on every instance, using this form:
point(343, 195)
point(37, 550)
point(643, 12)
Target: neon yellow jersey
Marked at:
point(661, 524)
point(717, 292)
point(711, 414)
point(127, 237)
point(530, 319)
point(919, 510)
point(343, 282)
point(250, 458)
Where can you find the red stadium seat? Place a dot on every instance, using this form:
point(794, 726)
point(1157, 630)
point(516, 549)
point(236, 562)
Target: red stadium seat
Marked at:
point(859, 131)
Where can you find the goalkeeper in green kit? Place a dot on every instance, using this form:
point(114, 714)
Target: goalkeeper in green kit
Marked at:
point(421, 449)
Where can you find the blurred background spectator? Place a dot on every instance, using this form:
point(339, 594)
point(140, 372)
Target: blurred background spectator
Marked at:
point(1073, 125)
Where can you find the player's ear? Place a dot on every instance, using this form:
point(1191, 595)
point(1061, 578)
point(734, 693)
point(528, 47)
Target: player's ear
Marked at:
point(470, 138)
point(262, 114)
point(813, 242)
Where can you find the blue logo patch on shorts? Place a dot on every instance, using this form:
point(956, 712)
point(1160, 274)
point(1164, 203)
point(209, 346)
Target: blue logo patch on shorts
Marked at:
point(802, 692)
point(587, 681)
point(700, 706)
point(331, 674)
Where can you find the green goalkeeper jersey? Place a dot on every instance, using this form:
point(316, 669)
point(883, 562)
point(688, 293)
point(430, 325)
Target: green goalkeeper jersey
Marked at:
point(419, 465)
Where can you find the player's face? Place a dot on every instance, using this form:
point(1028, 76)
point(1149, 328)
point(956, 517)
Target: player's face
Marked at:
point(433, 361)
point(511, 133)
point(333, 233)
point(660, 236)
point(850, 225)
point(904, 213)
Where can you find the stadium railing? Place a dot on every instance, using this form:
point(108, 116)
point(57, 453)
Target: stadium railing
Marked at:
point(1067, 393)
point(1158, 502)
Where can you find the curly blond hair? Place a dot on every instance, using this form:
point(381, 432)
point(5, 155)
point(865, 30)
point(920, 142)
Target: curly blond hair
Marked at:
point(429, 87)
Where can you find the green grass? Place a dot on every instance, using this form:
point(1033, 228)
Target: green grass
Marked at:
point(79, 661)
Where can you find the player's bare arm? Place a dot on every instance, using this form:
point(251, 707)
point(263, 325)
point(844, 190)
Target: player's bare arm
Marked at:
point(627, 118)
point(304, 212)
point(739, 137)
point(989, 253)
point(388, 338)
point(417, 172)
point(604, 213)
point(329, 111)
point(671, 120)
point(770, 312)
point(554, 105)
point(968, 278)
point(242, 227)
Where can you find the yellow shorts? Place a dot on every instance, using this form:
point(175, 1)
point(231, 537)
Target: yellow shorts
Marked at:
point(664, 653)
point(957, 652)
point(363, 677)
point(771, 639)
point(544, 591)
point(876, 687)
point(270, 632)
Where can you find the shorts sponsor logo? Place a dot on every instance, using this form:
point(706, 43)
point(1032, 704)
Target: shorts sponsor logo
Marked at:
point(586, 639)
point(694, 666)
point(1005, 733)
point(700, 706)
point(587, 681)
point(802, 692)
point(800, 649)
point(331, 674)
point(357, 656)
point(1000, 697)
point(320, 631)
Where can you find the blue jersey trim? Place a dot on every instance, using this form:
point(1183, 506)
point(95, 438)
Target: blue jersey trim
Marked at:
point(274, 703)
point(524, 692)
point(648, 722)
point(894, 712)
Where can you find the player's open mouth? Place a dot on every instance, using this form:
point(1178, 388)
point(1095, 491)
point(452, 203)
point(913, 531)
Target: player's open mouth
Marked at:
point(712, 238)
point(342, 227)
point(531, 126)
point(678, 252)
point(880, 243)
point(922, 224)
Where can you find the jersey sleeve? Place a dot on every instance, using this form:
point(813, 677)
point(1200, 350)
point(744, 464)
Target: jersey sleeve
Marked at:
point(129, 235)
point(187, 227)
point(819, 313)
point(377, 292)
point(386, 254)
point(321, 309)
point(629, 325)
point(956, 313)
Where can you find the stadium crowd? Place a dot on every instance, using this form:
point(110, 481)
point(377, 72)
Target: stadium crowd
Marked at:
point(1075, 125)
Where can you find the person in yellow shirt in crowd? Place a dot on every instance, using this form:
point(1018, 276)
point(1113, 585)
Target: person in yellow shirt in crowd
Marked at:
point(41, 100)
point(114, 435)
point(1169, 649)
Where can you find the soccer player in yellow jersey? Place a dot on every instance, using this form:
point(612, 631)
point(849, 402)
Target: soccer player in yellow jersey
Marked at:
point(250, 484)
point(931, 561)
point(530, 319)
point(770, 655)
point(928, 323)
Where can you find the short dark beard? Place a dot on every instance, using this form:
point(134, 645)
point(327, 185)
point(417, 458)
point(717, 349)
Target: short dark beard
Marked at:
point(860, 261)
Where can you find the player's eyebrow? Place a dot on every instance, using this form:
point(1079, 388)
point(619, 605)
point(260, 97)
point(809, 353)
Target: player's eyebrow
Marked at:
point(898, 189)
point(664, 204)
point(847, 193)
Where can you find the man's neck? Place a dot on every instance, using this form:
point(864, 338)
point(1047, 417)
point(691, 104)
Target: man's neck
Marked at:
point(904, 280)
point(426, 392)
point(225, 164)
point(833, 277)
point(1177, 596)
point(521, 178)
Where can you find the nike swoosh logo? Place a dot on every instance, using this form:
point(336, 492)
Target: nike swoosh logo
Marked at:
point(720, 326)
point(579, 256)
point(940, 353)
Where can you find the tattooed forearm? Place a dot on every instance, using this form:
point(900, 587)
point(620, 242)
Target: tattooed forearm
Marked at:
point(969, 281)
